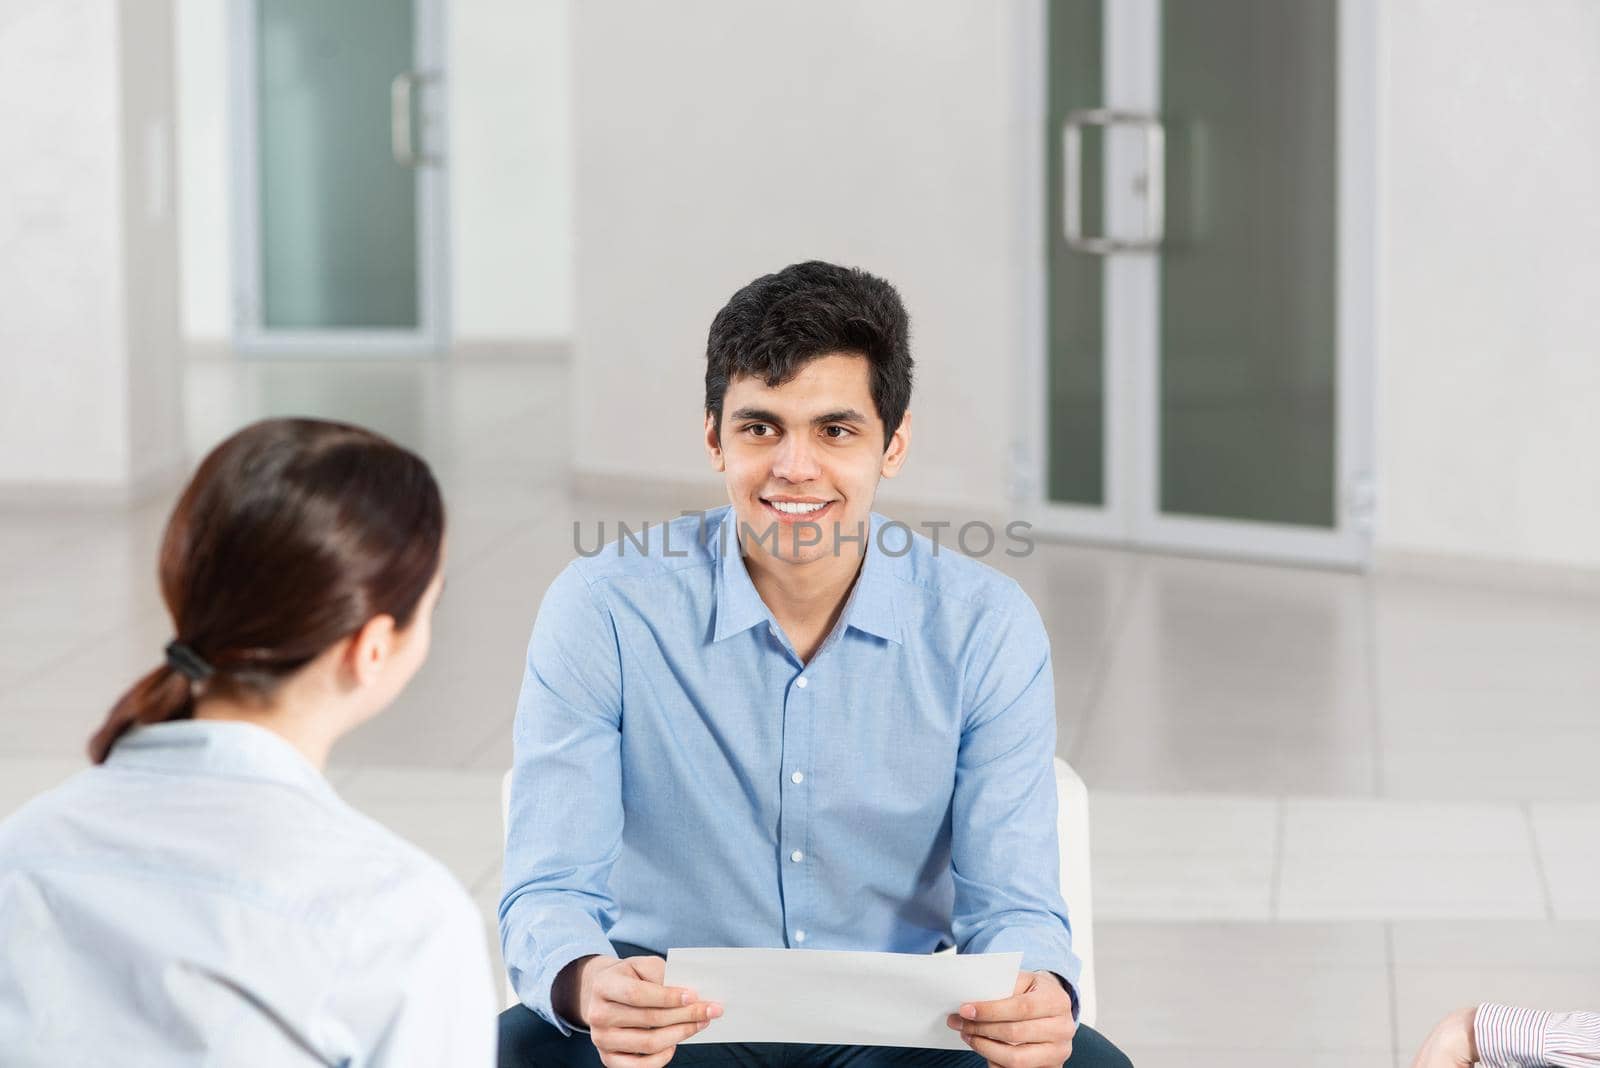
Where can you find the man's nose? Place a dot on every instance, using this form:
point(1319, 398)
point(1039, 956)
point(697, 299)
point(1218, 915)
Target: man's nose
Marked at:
point(796, 462)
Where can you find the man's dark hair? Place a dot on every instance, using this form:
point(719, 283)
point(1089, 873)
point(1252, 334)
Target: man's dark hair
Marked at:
point(780, 322)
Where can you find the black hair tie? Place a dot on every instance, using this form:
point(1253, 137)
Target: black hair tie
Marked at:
point(188, 663)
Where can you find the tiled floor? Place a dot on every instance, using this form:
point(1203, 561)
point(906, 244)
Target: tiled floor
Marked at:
point(1326, 807)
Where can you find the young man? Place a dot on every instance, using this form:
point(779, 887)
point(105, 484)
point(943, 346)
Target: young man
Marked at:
point(785, 723)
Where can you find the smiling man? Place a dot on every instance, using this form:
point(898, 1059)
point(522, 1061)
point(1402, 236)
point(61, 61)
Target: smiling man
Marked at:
point(783, 725)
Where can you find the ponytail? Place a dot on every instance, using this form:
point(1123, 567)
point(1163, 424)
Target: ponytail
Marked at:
point(160, 696)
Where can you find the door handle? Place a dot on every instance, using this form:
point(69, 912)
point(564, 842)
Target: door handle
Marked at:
point(402, 144)
point(1155, 144)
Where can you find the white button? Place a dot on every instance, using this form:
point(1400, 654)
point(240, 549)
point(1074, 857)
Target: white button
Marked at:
point(797, 856)
point(798, 777)
point(801, 682)
point(799, 936)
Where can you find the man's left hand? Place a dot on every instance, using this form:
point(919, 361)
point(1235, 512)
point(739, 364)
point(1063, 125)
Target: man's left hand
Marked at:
point(1032, 1028)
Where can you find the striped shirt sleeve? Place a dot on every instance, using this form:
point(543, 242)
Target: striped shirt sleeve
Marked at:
point(1510, 1037)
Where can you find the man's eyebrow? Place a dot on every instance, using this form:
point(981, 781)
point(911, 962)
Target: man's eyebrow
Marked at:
point(760, 415)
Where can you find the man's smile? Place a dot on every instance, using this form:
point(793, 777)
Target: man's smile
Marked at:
point(796, 509)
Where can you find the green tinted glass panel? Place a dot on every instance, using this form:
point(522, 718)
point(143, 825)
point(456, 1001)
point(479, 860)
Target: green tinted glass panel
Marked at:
point(1076, 372)
point(338, 214)
point(1247, 420)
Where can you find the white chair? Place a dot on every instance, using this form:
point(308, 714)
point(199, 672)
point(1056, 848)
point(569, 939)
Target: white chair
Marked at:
point(1072, 829)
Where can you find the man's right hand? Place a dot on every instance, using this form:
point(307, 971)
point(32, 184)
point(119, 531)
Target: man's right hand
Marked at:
point(634, 1020)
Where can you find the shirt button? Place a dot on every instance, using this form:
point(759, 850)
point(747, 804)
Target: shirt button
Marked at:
point(801, 682)
point(798, 777)
point(799, 936)
point(797, 856)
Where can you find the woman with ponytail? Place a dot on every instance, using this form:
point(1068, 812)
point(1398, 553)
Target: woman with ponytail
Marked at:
point(201, 895)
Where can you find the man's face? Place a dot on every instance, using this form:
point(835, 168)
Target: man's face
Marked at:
point(802, 460)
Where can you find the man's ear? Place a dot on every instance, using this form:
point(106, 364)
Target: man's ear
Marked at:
point(714, 443)
point(369, 650)
point(895, 455)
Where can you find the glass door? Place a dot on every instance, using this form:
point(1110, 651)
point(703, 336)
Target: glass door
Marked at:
point(339, 194)
point(1208, 275)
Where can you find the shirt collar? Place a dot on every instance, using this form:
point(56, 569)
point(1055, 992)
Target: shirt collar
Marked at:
point(220, 748)
point(740, 607)
point(871, 606)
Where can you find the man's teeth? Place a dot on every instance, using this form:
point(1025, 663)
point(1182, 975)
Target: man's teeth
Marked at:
point(795, 508)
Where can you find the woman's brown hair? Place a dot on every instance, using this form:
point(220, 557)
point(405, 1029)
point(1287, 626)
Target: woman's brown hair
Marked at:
point(292, 534)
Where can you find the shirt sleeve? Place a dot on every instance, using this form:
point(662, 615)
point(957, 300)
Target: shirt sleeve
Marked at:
point(1004, 853)
point(565, 818)
point(1510, 1037)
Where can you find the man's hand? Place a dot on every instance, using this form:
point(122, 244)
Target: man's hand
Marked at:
point(1452, 1043)
point(1032, 1028)
point(634, 1020)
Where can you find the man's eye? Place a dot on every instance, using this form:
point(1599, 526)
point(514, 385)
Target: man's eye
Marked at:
point(843, 432)
point(757, 430)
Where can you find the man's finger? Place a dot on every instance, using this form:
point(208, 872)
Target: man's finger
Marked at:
point(648, 1041)
point(633, 1060)
point(651, 969)
point(621, 1015)
point(644, 995)
point(1017, 1007)
point(1012, 1034)
point(1032, 1055)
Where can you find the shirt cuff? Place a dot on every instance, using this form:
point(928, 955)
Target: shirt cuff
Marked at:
point(1509, 1037)
point(1044, 949)
point(537, 991)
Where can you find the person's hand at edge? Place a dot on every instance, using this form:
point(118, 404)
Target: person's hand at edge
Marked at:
point(1032, 1028)
point(1452, 1043)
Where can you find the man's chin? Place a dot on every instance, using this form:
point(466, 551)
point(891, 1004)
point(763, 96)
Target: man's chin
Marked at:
point(802, 542)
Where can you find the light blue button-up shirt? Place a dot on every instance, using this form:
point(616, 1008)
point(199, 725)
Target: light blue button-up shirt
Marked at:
point(204, 897)
point(683, 779)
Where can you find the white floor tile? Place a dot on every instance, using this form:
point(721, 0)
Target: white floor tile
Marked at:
point(1182, 857)
point(1155, 1056)
point(1291, 989)
point(1354, 859)
point(1509, 761)
point(1568, 837)
point(1235, 678)
point(1537, 944)
point(1401, 828)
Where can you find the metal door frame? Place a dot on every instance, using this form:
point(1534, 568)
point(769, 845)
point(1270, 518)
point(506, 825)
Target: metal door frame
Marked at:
point(432, 333)
point(1130, 516)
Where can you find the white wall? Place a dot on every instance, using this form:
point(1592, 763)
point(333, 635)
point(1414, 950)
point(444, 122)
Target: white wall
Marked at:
point(509, 157)
point(1489, 369)
point(82, 215)
point(150, 314)
point(718, 139)
point(202, 80)
point(511, 174)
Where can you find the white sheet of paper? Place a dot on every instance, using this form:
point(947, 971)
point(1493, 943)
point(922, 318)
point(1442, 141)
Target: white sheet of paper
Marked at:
point(829, 997)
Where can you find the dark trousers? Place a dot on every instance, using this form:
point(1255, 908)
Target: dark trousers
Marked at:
point(527, 1041)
